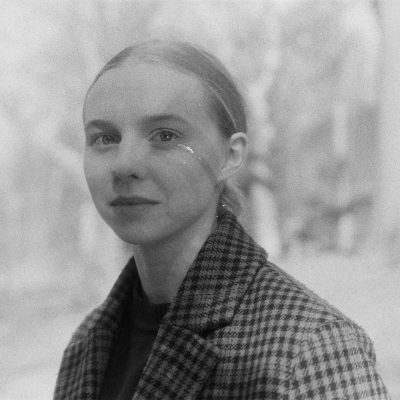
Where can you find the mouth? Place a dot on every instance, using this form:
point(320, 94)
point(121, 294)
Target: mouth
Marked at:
point(122, 201)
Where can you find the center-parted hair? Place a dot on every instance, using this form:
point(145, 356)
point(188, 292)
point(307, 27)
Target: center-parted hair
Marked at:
point(225, 101)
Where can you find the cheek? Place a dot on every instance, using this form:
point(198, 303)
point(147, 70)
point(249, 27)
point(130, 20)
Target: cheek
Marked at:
point(95, 174)
point(188, 175)
point(194, 159)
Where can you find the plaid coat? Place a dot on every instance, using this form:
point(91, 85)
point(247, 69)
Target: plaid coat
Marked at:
point(239, 328)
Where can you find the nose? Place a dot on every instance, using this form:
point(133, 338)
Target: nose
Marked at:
point(129, 162)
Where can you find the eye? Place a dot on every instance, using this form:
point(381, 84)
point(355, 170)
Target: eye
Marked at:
point(164, 135)
point(108, 139)
point(105, 140)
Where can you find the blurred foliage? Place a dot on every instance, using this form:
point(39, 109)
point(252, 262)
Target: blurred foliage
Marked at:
point(323, 104)
point(307, 69)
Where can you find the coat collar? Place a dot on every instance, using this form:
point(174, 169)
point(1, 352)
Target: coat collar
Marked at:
point(217, 280)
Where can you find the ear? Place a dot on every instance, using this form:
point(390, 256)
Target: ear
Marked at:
point(236, 155)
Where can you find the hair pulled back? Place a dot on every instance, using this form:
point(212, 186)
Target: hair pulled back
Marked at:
point(225, 101)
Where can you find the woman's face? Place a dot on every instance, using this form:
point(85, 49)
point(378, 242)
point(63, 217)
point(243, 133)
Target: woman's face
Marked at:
point(153, 153)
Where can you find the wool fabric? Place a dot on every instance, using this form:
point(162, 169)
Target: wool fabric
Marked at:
point(238, 328)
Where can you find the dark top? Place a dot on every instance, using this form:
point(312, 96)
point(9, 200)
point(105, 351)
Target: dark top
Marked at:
point(133, 345)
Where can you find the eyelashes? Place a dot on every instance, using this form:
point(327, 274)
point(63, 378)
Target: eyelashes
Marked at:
point(165, 135)
point(107, 139)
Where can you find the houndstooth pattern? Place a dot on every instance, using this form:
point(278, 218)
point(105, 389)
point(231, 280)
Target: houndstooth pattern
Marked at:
point(238, 328)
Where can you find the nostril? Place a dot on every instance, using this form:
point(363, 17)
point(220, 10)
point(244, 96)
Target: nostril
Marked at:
point(120, 176)
point(122, 184)
point(126, 168)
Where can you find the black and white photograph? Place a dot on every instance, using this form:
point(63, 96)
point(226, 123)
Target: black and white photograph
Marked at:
point(200, 200)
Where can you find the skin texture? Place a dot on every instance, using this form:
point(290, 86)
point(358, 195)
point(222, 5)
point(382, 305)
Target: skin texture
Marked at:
point(149, 134)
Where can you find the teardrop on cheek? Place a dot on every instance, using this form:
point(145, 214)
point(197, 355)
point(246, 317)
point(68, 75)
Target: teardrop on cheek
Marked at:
point(199, 160)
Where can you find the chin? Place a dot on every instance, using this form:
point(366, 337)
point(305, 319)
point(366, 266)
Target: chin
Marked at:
point(131, 237)
point(158, 231)
point(140, 236)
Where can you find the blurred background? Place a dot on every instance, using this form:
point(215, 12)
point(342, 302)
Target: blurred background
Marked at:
point(322, 82)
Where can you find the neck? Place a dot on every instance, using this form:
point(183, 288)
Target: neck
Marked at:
point(163, 266)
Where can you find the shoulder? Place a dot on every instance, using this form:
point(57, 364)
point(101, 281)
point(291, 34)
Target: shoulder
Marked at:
point(302, 345)
point(335, 360)
point(83, 330)
point(284, 298)
point(108, 314)
point(284, 318)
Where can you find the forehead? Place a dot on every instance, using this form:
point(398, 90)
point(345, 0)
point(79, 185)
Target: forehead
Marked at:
point(137, 89)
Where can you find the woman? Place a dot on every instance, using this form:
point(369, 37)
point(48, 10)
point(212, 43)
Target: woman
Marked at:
point(198, 312)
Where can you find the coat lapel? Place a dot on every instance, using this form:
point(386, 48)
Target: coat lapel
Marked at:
point(178, 367)
point(182, 358)
point(218, 279)
point(94, 359)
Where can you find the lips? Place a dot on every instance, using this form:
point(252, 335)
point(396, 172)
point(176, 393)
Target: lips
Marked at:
point(131, 201)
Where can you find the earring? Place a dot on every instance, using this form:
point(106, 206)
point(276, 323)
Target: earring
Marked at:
point(221, 209)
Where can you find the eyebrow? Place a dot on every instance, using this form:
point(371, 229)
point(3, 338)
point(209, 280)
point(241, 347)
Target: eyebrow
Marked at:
point(148, 119)
point(163, 117)
point(100, 124)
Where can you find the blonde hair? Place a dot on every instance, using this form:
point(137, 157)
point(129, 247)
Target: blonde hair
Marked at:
point(225, 101)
